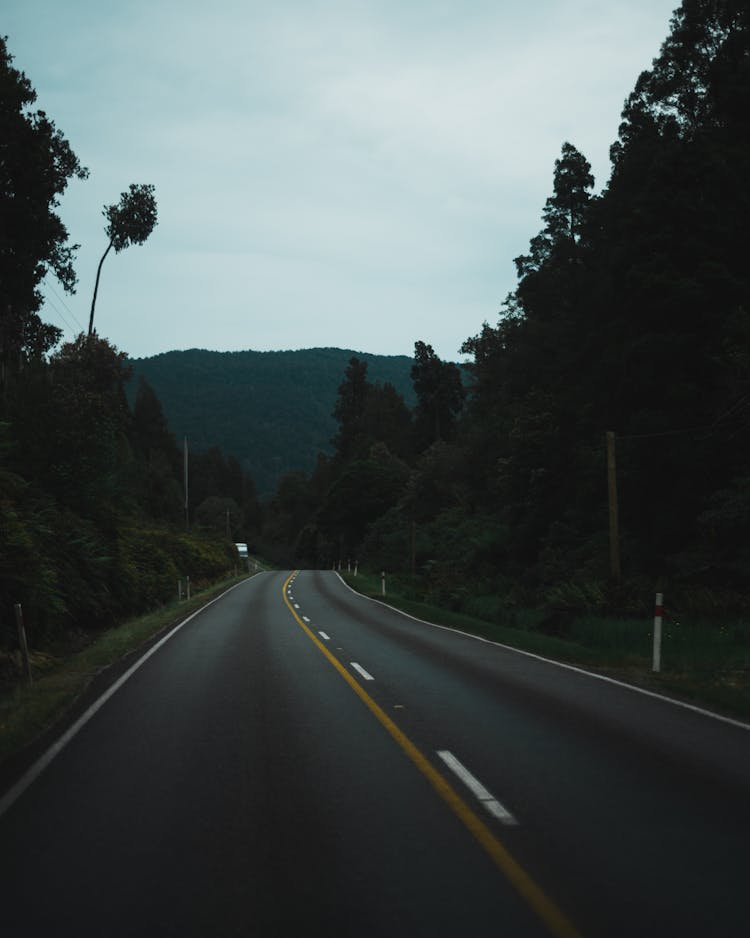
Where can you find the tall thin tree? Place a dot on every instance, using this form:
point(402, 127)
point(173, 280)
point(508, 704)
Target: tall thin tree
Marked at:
point(130, 221)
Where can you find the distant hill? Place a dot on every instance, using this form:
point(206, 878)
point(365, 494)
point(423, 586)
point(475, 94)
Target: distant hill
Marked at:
point(271, 410)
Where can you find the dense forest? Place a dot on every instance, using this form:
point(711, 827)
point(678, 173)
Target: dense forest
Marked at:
point(272, 411)
point(92, 506)
point(631, 317)
point(621, 361)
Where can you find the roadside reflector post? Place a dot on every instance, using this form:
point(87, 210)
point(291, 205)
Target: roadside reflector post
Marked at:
point(23, 644)
point(356, 567)
point(382, 582)
point(658, 614)
point(348, 565)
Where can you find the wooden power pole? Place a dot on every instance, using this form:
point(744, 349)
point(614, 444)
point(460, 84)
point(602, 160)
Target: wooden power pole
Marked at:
point(614, 532)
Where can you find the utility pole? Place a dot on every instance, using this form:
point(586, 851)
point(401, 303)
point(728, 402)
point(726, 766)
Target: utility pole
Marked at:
point(413, 546)
point(185, 468)
point(614, 532)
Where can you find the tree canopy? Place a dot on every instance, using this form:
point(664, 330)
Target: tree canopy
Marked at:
point(36, 164)
point(129, 221)
point(91, 527)
point(440, 395)
point(632, 315)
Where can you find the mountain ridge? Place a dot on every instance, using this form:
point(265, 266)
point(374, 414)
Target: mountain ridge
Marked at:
point(271, 410)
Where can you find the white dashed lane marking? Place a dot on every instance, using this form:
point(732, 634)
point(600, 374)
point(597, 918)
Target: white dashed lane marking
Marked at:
point(477, 789)
point(361, 670)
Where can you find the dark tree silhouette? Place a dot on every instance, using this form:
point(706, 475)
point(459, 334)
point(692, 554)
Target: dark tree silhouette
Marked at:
point(36, 163)
point(440, 395)
point(350, 408)
point(130, 221)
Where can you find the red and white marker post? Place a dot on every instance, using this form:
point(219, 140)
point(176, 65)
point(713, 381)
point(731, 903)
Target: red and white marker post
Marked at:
point(658, 614)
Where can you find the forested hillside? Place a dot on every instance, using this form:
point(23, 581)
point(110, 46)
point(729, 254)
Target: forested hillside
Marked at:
point(630, 323)
point(93, 526)
point(272, 411)
point(631, 317)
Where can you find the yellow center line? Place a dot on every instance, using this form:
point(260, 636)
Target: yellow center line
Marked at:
point(540, 903)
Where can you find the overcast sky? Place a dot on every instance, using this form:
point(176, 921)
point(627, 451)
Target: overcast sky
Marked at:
point(351, 174)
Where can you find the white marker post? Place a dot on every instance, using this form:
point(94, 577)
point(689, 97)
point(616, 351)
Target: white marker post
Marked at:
point(382, 582)
point(23, 643)
point(658, 613)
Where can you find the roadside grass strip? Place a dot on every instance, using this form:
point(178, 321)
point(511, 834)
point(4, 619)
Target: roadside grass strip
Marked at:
point(701, 670)
point(27, 711)
point(35, 770)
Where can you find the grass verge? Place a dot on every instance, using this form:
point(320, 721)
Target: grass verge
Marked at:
point(696, 668)
point(28, 710)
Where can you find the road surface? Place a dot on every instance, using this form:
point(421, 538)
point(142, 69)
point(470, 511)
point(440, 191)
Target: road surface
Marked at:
point(299, 760)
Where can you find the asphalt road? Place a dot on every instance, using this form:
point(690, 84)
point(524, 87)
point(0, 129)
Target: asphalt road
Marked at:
point(298, 760)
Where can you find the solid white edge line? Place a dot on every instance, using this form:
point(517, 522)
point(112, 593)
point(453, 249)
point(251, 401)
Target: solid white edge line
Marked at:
point(325, 637)
point(358, 667)
point(36, 769)
point(495, 808)
point(558, 664)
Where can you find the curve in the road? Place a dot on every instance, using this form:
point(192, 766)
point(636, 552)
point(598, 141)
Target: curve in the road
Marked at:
point(541, 904)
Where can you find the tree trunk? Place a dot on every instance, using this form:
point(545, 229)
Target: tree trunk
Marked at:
point(96, 288)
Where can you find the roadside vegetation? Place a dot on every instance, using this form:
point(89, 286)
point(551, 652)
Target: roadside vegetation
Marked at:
point(96, 524)
point(702, 663)
point(62, 674)
point(594, 449)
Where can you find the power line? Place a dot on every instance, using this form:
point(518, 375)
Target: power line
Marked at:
point(61, 316)
point(75, 318)
point(741, 402)
point(70, 311)
point(651, 436)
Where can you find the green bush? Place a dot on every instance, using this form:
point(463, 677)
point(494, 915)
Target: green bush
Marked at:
point(147, 574)
point(152, 560)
